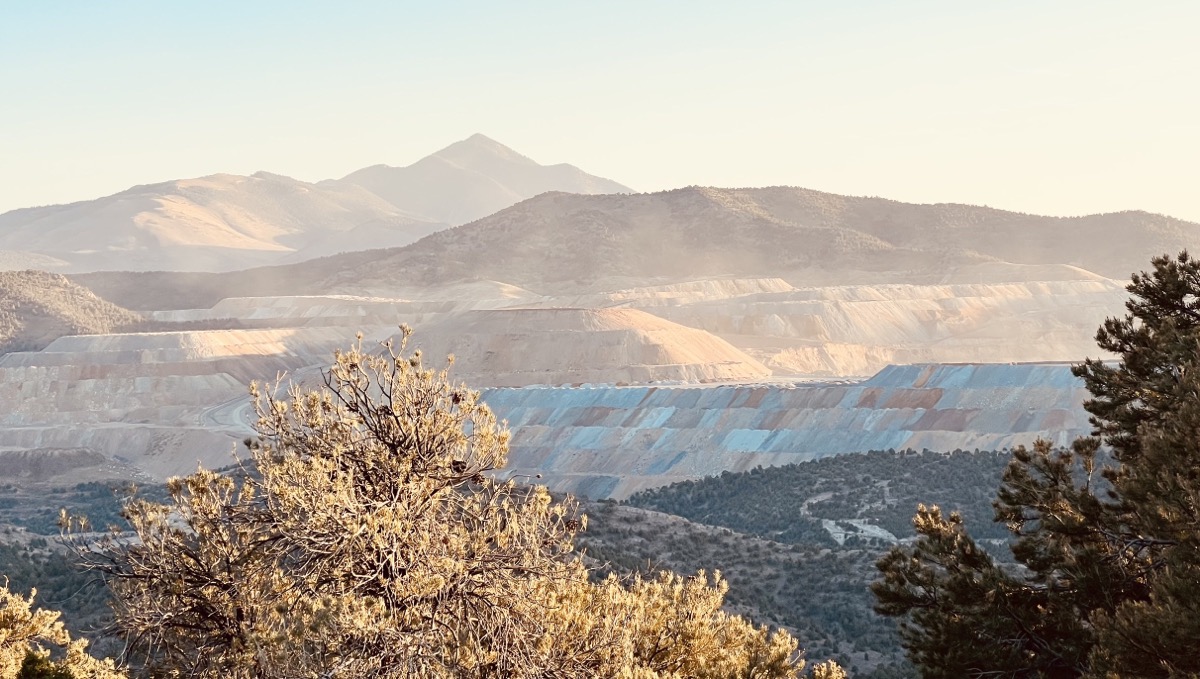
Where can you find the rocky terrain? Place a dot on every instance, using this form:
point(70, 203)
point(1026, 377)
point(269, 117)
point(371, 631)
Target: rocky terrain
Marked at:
point(161, 401)
point(517, 347)
point(716, 357)
point(611, 442)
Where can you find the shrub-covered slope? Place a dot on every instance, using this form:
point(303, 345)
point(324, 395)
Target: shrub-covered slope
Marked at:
point(879, 489)
point(37, 307)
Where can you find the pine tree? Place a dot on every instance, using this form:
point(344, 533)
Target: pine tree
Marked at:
point(1107, 532)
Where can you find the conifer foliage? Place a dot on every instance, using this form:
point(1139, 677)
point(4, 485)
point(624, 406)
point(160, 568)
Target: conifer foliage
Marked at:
point(27, 636)
point(368, 538)
point(1107, 533)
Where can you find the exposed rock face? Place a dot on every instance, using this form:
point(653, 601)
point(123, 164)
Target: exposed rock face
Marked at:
point(682, 287)
point(612, 442)
point(520, 347)
point(161, 401)
point(157, 402)
point(857, 330)
point(352, 311)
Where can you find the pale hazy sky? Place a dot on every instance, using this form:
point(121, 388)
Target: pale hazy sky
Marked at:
point(1065, 107)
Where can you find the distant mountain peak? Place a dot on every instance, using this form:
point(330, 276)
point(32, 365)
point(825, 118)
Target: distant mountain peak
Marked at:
point(223, 221)
point(483, 139)
point(473, 178)
point(477, 146)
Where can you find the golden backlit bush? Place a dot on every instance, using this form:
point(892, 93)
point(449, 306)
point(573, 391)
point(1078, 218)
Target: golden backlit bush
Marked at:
point(27, 636)
point(366, 536)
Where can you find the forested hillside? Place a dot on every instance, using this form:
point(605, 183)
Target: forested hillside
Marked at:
point(38, 307)
point(763, 529)
point(875, 489)
point(817, 590)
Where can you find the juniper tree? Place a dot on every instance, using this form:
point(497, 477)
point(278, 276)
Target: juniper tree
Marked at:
point(27, 636)
point(367, 537)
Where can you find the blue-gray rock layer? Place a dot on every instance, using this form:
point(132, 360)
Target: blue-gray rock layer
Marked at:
point(611, 442)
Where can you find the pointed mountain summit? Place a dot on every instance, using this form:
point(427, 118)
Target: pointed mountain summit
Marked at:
point(477, 148)
point(472, 178)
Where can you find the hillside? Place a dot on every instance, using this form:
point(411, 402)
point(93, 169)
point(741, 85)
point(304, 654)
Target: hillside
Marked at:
point(860, 329)
point(559, 243)
point(471, 179)
point(816, 587)
point(590, 242)
point(798, 544)
point(38, 307)
point(1112, 245)
point(227, 222)
point(869, 496)
point(817, 591)
point(216, 223)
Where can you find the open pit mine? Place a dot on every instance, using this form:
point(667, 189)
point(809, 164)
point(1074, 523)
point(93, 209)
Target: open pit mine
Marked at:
point(606, 393)
point(629, 339)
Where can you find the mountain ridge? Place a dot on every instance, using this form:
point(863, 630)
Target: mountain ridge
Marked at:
point(698, 232)
point(570, 243)
point(225, 222)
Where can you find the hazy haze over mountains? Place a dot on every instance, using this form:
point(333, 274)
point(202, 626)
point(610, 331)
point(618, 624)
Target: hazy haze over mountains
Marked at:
point(226, 222)
point(557, 240)
point(559, 243)
point(750, 281)
point(214, 223)
point(693, 285)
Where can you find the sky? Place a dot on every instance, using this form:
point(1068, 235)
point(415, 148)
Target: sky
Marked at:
point(1063, 108)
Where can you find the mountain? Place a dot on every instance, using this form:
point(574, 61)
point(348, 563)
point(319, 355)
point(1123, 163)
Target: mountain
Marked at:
point(471, 179)
point(227, 222)
point(37, 308)
point(372, 235)
point(559, 241)
point(217, 223)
